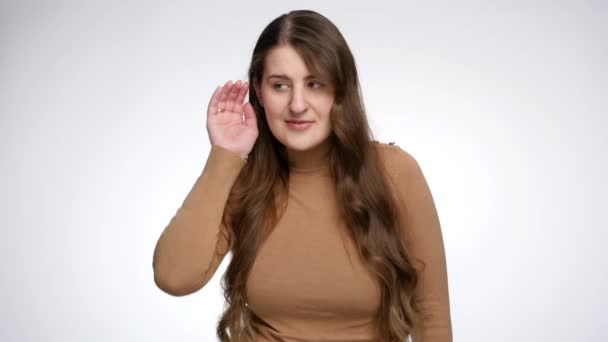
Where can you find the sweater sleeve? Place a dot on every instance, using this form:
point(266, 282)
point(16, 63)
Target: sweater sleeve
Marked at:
point(424, 242)
point(195, 241)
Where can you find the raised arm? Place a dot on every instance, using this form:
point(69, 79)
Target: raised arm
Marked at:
point(424, 241)
point(194, 242)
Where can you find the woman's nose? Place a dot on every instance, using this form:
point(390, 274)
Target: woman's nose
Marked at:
point(298, 101)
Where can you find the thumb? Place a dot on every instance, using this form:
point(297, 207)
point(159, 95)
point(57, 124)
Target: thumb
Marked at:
point(250, 119)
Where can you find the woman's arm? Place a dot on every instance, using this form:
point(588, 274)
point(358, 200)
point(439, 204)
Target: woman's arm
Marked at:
point(424, 241)
point(195, 241)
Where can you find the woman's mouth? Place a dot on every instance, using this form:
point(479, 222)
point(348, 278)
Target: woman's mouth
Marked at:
point(299, 125)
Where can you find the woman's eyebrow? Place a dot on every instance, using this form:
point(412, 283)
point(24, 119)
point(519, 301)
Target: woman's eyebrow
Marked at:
point(283, 76)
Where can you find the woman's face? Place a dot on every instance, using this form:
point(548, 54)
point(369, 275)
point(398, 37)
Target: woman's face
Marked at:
point(289, 92)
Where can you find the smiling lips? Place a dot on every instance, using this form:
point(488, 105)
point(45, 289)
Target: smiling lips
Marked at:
point(298, 125)
point(298, 121)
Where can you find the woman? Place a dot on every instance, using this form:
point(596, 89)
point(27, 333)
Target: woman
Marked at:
point(334, 235)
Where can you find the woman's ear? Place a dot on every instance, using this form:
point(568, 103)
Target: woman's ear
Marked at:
point(258, 92)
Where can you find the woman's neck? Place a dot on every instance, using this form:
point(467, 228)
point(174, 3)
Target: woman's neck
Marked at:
point(314, 159)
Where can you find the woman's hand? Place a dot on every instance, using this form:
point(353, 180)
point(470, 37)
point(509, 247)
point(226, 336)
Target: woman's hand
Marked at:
point(225, 124)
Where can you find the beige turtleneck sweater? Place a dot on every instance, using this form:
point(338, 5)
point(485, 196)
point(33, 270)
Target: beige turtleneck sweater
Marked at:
point(307, 282)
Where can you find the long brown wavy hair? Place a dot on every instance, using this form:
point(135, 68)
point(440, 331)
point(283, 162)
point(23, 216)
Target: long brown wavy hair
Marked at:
point(258, 196)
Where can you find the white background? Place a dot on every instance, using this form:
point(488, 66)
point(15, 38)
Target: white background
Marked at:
point(504, 105)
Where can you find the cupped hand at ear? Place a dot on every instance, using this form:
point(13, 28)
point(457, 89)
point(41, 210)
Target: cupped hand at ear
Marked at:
point(230, 123)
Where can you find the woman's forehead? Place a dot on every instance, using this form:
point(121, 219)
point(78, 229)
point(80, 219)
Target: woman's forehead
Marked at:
point(285, 62)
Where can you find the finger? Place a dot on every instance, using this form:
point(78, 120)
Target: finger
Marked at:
point(212, 107)
point(224, 95)
point(237, 105)
point(241, 97)
point(234, 92)
point(250, 119)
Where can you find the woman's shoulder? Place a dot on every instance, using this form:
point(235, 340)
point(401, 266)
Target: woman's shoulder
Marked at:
point(396, 159)
point(392, 152)
point(383, 146)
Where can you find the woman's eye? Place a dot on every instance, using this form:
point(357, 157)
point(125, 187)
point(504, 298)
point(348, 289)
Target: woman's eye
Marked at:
point(285, 85)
